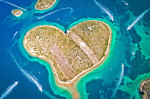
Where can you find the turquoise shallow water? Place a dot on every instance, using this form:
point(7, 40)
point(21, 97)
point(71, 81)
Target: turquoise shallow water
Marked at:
point(128, 47)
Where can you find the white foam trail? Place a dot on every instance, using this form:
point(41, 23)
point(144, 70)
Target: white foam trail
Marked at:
point(30, 77)
point(13, 42)
point(106, 10)
point(9, 90)
point(137, 19)
point(13, 5)
point(56, 11)
point(125, 2)
point(15, 35)
point(120, 80)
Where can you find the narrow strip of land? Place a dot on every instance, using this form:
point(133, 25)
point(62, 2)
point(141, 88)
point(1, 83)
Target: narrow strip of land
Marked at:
point(84, 47)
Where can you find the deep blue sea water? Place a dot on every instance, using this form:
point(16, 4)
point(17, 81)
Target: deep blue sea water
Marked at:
point(128, 47)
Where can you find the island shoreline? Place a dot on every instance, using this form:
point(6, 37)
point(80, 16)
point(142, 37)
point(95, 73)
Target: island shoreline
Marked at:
point(71, 83)
point(141, 85)
point(45, 8)
point(17, 12)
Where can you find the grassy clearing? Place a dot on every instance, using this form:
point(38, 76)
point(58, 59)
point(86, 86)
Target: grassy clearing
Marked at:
point(95, 34)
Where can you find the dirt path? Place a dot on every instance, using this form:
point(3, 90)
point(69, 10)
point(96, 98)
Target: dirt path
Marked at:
point(84, 47)
point(62, 62)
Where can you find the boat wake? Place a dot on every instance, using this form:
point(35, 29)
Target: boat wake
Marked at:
point(13, 5)
point(30, 77)
point(14, 35)
point(106, 10)
point(9, 90)
point(137, 19)
point(67, 8)
point(125, 2)
point(13, 41)
point(120, 80)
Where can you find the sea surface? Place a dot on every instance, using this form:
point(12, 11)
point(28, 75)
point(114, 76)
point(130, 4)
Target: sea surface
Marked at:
point(109, 81)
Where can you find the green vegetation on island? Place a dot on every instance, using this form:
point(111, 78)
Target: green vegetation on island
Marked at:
point(44, 4)
point(83, 47)
point(145, 89)
point(95, 34)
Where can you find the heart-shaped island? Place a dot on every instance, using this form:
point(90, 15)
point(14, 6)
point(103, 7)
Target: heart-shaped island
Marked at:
point(84, 47)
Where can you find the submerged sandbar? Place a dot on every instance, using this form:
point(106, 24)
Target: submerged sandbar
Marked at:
point(84, 47)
